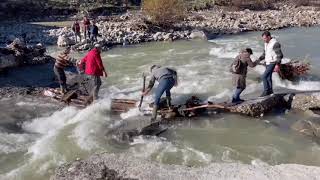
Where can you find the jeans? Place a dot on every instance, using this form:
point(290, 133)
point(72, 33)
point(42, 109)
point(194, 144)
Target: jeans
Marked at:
point(236, 95)
point(59, 72)
point(165, 85)
point(93, 38)
point(267, 79)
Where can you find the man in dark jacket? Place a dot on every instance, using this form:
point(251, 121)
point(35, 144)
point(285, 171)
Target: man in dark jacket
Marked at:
point(93, 69)
point(167, 78)
point(239, 78)
point(94, 31)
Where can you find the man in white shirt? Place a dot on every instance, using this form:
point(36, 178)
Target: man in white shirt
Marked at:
point(272, 56)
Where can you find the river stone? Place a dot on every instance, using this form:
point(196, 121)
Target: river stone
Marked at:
point(307, 101)
point(258, 107)
point(308, 127)
point(198, 35)
point(64, 41)
point(8, 61)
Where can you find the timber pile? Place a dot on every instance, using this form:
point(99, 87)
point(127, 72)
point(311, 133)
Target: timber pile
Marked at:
point(293, 70)
point(78, 94)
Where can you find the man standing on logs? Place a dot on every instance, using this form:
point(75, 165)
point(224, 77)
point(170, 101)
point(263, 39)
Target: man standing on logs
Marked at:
point(239, 70)
point(167, 78)
point(62, 61)
point(94, 68)
point(272, 55)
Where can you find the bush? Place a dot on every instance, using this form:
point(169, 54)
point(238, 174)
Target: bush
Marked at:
point(164, 12)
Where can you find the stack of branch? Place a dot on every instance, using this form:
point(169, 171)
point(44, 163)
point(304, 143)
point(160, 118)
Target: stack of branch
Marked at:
point(293, 70)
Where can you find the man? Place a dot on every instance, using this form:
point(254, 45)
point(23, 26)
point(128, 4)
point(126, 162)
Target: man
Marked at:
point(62, 61)
point(86, 26)
point(239, 70)
point(76, 30)
point(167, 78)
point(94, 68)
point(94, 30)
point(272, 55)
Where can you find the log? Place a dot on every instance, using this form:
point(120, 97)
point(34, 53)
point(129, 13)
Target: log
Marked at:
point(70, 94)
point(122, 105)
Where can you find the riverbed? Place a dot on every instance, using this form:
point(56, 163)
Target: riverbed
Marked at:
point(32, 146)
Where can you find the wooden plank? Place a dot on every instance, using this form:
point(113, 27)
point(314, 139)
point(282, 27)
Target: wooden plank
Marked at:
point(71, 94)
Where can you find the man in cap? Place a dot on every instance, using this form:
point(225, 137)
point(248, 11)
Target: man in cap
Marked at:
point(239, 70)
point(93, 68)
point(167, 78)
point(62, 61)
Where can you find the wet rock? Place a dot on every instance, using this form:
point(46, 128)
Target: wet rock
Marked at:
point(64, 41)
point(258, 107)
point(18, 54)
point(309, 127)
point(198, 35)
point(307, 101)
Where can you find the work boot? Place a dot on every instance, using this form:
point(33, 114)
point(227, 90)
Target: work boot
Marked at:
point(168, 99)
point(154, 113)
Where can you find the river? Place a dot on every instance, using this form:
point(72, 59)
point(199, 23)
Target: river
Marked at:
point(36, 136)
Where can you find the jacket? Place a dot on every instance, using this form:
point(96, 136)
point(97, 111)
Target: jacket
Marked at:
point(92, 63)
point(272, 52)
point(239, 80)
point(161, 73)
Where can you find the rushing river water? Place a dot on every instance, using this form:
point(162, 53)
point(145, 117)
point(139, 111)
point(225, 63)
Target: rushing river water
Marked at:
point(46, 135)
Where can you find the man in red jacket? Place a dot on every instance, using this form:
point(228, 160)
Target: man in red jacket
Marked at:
point(94, 68)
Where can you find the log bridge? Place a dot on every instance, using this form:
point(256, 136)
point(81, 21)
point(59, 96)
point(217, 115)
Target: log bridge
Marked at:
point(301, 100)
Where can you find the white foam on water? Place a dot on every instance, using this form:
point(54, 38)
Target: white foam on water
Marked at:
point(131, 113)
point(10, 143)
point(160, 149)
point(114, 55)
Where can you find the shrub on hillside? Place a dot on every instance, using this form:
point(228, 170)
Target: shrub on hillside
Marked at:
point(164, 12)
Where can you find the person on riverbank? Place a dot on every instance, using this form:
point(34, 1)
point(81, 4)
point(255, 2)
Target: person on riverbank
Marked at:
point(76, 30)
point(62, 61)
point(86, 26)
point(272, 55)
point(239, 69)
point(94, 31)
point(167, 78)
point(93, 67)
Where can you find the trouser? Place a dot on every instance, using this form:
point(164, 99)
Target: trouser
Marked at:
point(237, 93)
point(267, 79)
point(95, 83)
point(165, 85)
point(76, 35)
point(86, 32)
point(59, 72)
point(93, 38)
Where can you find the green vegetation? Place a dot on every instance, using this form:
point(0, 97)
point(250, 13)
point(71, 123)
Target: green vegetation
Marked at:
point(164, 12)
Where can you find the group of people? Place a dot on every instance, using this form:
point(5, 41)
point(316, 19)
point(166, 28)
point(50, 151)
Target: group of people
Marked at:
point(272, 55)
point(90, 30)
point(167, 77)
point(91, 65)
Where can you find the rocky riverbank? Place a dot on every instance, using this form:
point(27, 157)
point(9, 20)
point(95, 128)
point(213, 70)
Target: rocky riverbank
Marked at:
point(130, 167)
point(134, 27)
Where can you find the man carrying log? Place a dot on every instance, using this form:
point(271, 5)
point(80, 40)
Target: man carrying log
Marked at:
point(62, 61)
point(239, 69)
point(272, 55)
point(93, 68)
point(167, 78)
